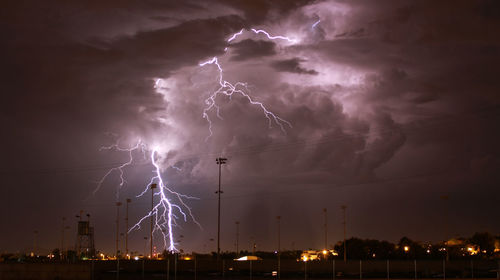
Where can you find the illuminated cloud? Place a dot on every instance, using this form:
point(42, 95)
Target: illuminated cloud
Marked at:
point(292, 66)
point(374, 92)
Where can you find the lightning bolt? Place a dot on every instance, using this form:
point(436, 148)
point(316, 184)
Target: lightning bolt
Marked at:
point(165, 212)
point(315, 24)
point(164, 216)
point(138, 146)
point(235, 35)
point(171, 206)
point(293, 41)
point(229, 89)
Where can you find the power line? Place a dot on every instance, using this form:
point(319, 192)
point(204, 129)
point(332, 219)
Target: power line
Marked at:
point(281, 146)
point(309, 188)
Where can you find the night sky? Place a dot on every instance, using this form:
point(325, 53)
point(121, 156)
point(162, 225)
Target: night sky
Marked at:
point(392, 105)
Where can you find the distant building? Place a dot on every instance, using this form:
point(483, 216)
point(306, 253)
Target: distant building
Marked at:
point(313, 255)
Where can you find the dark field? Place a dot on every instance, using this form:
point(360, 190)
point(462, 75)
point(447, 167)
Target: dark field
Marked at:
point(290, 269)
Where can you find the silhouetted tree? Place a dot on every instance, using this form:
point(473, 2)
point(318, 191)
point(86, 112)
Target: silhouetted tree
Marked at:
point(57, 254)
point(485, 242)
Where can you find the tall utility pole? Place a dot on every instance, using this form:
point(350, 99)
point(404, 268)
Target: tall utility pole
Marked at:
point(62, 238)
point(118, 204)
point(64, 235)
point(254, 245)
point(237, 237)
point(344, 223)
point(326, 229)
point(446, 226)
point(88, 241)
point(126, 227)
point(279, 233)
point(220, 161)
point(79, 245)
point(35, 237)
point(153, 186)
point(279, 246)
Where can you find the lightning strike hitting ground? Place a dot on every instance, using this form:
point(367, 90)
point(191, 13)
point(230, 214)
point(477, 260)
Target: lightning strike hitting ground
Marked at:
point(164, 216)
point(165, 212)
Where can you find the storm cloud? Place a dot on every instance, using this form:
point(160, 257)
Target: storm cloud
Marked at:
point(248, 49)
point(391, 103)
point(292, 66)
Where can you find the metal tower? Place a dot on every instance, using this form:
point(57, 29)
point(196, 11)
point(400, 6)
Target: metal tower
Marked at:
point(85, 247)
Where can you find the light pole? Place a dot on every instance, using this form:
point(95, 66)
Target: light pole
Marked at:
point(79, 241)
point(118, 204)
point(35, 237)
point(326, 229)
point(87, 231)
point(63, 255)
point(153, 186)
point(126, 227)
point(220, 161)
point(446, 227)
point(237, 237)
point(343, 213)
point(210, 245)
point(62, 238)
point(279, 245)
point(252, 243)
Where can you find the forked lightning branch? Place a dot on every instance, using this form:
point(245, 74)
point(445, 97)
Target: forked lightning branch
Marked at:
point(171, 206)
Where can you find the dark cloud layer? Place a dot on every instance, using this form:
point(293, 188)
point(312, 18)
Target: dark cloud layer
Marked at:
point(395, 103)
point(260, 11)
point(292, 66)
point(248, 49)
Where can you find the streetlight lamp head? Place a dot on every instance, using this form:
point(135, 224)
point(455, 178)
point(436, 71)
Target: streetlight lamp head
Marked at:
point(129, 200)
point(153, 186)
point(221, 160)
